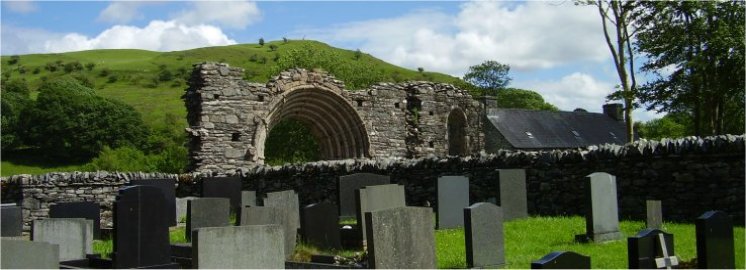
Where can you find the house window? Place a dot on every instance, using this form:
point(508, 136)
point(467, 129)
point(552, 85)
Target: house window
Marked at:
point(530, 136)
point(575, 133)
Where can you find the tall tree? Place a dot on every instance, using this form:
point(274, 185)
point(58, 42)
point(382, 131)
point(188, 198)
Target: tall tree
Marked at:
point(489, 76)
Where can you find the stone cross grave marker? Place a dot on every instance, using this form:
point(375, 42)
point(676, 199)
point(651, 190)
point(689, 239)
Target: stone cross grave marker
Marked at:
point(207, 212)
point(239, 247)
point(484, 236)
point(562, 260)
point(602, 217)
point(348, 184)
point(374, 198)
point(320, 225)
point(654, 214)
point(12, 220)
point(224, 187)
point(646, 247)
point(73, 235)
point(513, 198)
point(665, 261)
point(168, 187)
point(402, 237)
point(262, 215)
point(715, 248)
point(87, 210)
point(453, 197)
point(181, 208)
point(22, 254)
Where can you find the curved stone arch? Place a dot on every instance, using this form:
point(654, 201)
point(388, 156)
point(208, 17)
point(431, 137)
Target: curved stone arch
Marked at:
point(456, 130)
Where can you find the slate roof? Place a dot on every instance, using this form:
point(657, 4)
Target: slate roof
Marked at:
point(529, 129)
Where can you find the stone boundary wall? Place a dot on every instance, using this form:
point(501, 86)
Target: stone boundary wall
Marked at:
point(689, 175)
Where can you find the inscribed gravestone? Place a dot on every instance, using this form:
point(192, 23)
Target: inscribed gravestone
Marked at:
point(348, 184)
point(654, 214)
point(374, 198)
point(483, 231)
point(87, 210)
point(73, 235)
point(715, 249)
point(287, 202)
point(12, 220)
point(513, 199)
point(562, 260)
point(241, 247)
point(141, 228)
point(207, 212)
point(181, 208)
point(320, 225)
point(601, 217)
point(22, 254)
point(272, 215)
point(168, 187)
point(645, 247)
point(453, 196)
point(224, 187)
point(402, 237)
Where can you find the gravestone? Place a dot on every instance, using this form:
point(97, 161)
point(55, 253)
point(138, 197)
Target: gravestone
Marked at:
point(645, 250)
point(168, 187)
point(654, 214)
point(402, 237)
point(12, 220)
point(320, 225)
point(181, 208)
point(348, 184)
point(715, 249)
point(483, 232)
point(224, 187)
point(239, 247)
point(248, 199)
point(562, 260)
point(453, 197)
point(374, 198)
point(268, 216)
point(601, 217)
point(207, 212)
point(513, 198)
point(22, 254)
point(141, 222)
point(287, 202)
point(73, 235)
point(87, 210)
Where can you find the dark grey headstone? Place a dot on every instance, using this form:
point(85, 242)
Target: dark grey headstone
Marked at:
point(562, 260)
point(240, 247)
point(141, 224)
point(87, 210)
point(286, 201)
point(22, 254)
point(207, 212)
point(654, 214)
point(168, 187)
point(602, 216)
point(349, 183)
point(453, 197)
point(224, 187)
point(181, 208)
point(272, 215)
point(645, 247)
point(402, 237)
point(715, 248)
point(513, 198)
point(484, 236)
point(374, 198)
point(320, 225)
point(73, 235)
point(12, 220)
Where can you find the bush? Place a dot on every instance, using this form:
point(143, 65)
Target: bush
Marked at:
point(124, 158)
point(14, 59)
point(73, 66)
point(13, 101)
point(272, 47)
point(90, 66)
point(165, 75)
point(36, 70)
point(104, 72)
point(112, 78)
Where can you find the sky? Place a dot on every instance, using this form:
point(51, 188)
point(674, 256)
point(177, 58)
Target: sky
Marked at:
point(555, 48)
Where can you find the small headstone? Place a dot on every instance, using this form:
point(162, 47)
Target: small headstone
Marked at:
point(513, 198)
point(484, 236)
point(248, 198)
point(240, 247)
point(602, 217)
point(348, 184)
point(715, 249)
point(268, 216)
point(286, 201)
point(73, 235)
point(402, 237)
point(453, 197)
point(141, 222)
point(207, 212)
point(374, 198)
point(645, 248)
point(22, 254)
point(87, 210)
point(320, 225)
point(654, 214)
point(224, 187)
point(181, 208)
point(12, 220)
point(168, 187)
point(562, 260)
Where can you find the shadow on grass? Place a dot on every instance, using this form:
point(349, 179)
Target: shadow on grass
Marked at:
point(35, 161)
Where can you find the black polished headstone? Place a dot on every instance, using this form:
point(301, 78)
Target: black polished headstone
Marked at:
point(483, 231)
point(715, 248)
point(320, 225)
point(224, 187)
point(12, 220)
point(86, 210)
point(347, 185)
point(562, 260)
point(168, 187)
point(645, 247)
point(141, 237)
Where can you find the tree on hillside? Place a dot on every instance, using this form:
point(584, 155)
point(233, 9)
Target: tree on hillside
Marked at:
point(261, 42)
point(489, 76)
point(14, 98)
point(522, 99)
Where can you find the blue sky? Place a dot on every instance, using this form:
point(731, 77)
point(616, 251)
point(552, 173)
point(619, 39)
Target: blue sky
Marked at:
point(554, 48)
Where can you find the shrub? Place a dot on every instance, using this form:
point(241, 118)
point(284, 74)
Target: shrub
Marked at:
point(13, 101)
point(272, 47)
point(89, 66)
point(112, 78)
point(125, 158)
point(36, 70)
point(14, 59)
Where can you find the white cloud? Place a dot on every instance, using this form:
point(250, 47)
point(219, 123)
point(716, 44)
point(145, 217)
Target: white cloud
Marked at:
point(23, 7)
point(234, 14)
point(121, 12)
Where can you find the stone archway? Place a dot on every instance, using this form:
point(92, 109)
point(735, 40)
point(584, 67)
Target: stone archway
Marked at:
point(457, 141)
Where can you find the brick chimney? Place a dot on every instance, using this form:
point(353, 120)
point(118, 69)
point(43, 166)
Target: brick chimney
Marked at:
point(614, 110)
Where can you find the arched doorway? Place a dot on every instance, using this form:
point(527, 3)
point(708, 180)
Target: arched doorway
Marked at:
point(457, 143)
